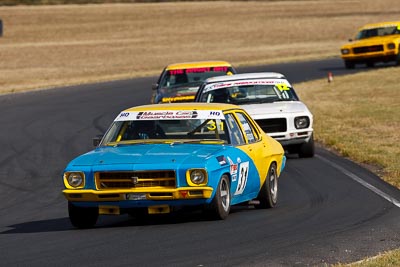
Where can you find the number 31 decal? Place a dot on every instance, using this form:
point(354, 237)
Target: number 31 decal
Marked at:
point(243, 174)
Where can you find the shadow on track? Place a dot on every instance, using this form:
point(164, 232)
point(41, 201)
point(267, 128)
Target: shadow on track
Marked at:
point(109, 221)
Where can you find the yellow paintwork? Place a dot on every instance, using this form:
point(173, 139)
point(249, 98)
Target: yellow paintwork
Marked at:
point(160, 209)
point(263, 152)
point(373, 41)
point(272, 148)
point(269, 147)
point(198, 64)
point(109, 209)
point(379, 24)
point(120, 194)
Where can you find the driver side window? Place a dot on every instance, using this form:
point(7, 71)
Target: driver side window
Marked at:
point(250, 132)
point(235, 133)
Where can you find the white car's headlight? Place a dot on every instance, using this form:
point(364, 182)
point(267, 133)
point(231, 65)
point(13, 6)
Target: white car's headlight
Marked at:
point(74, 179)
point(301, 122)
point(345, 51)
point(197, 177)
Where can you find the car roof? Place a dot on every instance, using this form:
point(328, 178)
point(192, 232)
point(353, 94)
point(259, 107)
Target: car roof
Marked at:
point(198, 64)
point(184, 106)
point(380, 24)
point(243, 76)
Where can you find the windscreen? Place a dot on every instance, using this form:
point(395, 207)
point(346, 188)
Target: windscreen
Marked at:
point(379, 31)
point(178, 80)
point(248, 92)
point(182, 127)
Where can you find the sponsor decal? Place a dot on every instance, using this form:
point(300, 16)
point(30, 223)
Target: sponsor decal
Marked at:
point(222, 160)
point(185, 114)
point(233, 169)
point(170, 115)
point(177, 99)
point(199, 70)
point(243, 175)
point(281, 84)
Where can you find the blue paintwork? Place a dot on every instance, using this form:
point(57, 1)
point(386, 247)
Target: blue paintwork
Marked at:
point(178, 157)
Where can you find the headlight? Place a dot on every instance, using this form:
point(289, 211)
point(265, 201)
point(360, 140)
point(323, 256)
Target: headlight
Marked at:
point(345, 51)
point(391, 46)
point(74, 179)
point(301, 122)
point(197, 177)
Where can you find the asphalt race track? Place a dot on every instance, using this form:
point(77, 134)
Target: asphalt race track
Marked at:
point(330, 210)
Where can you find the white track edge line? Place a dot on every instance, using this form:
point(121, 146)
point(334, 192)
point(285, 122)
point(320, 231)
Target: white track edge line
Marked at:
point(361, 181)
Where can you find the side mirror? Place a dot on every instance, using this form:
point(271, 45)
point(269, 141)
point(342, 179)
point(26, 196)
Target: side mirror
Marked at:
point(154, 86)
point(97, 140)
point(350, 40)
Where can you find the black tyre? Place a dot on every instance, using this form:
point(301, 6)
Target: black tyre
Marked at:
point(307, 150)
point(348, 64)
point(221, 204)
point(398, 58)
point(82, 217)
point(268, 195)
point(370, 64)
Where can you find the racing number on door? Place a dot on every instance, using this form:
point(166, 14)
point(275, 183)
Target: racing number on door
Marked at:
point(243, 174)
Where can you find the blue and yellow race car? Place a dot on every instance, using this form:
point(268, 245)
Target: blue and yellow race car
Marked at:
point(159, 158)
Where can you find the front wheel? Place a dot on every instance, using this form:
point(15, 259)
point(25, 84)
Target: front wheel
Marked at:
point(221, 204)
point(82, 217)
point(268, 195)
point(370, 64)
point(307, 150)
point(349, 64)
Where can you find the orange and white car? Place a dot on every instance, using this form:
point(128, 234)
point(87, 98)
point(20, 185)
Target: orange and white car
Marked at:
point(376, 42)
point(179, 82)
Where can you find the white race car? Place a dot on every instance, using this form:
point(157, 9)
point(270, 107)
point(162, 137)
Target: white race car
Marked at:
point(271, 101)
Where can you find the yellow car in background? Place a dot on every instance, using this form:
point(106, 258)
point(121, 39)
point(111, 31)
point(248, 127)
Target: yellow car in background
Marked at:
point(376, 42)
point(179, 82)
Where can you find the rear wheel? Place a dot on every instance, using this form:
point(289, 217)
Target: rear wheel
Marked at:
point(82, 217)
point(221, 204)
point(268, 195)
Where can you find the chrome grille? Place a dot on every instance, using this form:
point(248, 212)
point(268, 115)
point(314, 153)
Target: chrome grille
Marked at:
point(273, 125)
point(136, 179)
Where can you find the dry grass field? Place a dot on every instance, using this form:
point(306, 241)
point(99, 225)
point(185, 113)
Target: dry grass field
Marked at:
point(357, 115)
point(47, 46)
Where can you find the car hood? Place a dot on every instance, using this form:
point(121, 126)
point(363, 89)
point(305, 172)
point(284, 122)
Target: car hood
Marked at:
point(154, 154)
point(275, 108)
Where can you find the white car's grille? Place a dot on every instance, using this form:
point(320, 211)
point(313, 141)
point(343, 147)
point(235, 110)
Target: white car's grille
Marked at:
point(273, 125)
